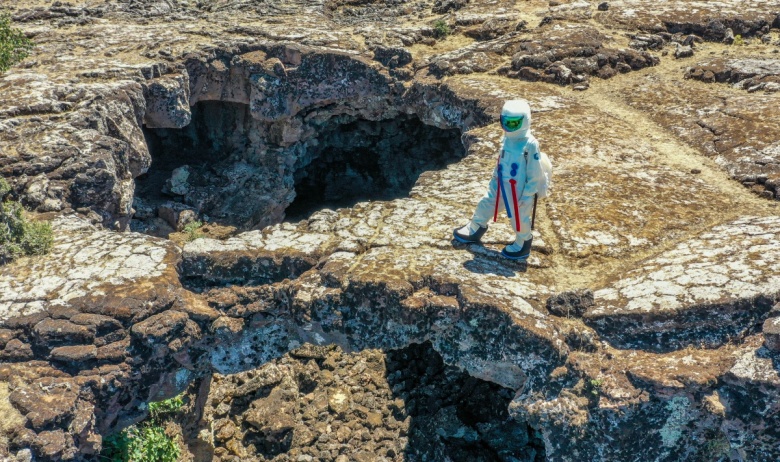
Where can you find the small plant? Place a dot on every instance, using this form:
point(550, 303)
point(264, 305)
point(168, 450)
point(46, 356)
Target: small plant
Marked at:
point(192, 229)
point(144, 443)
point(595, 386)
point(147, 441)
point(116, 447)
point(14, 45)
point(163, 408)
point(738, 40)
point(18, 235)
point(441, 29)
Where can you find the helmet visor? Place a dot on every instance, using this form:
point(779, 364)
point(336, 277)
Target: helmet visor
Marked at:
point(511, 123)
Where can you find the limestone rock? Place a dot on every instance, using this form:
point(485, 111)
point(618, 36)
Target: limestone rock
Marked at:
point(709, 288)
point(748, 74)
point(167, 101)
point(570, 303)
point(771, 331)
point(683, 52)
point(683, 267)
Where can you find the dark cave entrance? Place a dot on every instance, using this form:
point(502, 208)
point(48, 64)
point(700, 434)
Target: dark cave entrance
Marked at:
point(226, 167)
point(370, 160)
point(455, 416)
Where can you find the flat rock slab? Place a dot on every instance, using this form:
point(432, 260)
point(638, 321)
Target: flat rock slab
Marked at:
point(85, 261)
point(708, 19)
point(730, 126)
point(624, 197)
point(708, 288)
point(751, 74)
point(569, 53)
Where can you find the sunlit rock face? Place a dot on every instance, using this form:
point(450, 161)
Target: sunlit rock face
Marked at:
point(331, 148)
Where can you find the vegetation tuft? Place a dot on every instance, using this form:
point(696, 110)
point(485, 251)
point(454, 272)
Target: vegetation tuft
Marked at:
point(18, 235)
point(595, 386)
point(192, 229)
point(147, 441)
point(441, 29)
point(14, 45)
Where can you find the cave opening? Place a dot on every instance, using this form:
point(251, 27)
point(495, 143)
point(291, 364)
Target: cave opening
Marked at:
point(370, 160)
point(228, 168)
point(323, 403)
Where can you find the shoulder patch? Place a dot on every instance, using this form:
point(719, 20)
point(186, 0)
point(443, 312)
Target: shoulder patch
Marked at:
point(536, 156)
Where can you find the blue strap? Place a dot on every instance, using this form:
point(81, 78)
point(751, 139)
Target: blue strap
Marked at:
point(503, 191)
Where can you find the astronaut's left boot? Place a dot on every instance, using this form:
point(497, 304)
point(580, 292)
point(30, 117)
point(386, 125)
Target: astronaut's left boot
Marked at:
point(470, 233)
point(518, 251)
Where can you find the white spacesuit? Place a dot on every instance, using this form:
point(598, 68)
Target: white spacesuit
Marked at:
point(515, 181)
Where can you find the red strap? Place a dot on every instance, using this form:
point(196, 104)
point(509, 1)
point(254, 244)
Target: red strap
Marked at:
point(498, 197)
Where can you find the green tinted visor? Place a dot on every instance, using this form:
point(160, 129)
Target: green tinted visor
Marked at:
point(511, 123)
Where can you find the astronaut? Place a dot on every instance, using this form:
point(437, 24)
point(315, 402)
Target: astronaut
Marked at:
point(515, 181)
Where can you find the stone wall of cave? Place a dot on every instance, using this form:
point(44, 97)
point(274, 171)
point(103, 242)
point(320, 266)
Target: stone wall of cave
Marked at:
point(320, 403)
point(229, 168)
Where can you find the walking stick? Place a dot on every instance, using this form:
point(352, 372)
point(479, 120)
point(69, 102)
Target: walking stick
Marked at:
point(533, 217)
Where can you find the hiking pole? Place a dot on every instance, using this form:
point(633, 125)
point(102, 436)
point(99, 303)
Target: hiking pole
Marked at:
point(533, 216)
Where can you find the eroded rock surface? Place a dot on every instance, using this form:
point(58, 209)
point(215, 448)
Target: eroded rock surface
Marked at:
point(707, 290)
point(748, 74)
point(324, 404)
point(226, 112)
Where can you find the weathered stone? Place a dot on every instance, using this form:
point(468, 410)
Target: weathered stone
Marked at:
point(6, 335)
point(114, 352)
point(706, 19)
point(340, 401)
point(569, 304)
point(273, 415)
point(683, 52)
point(161, 327)
point(708, 289)
point(73, 355)
point(54, 445)
point(771, 331)
point(53, 332)
point(167, 101)
point(749, 74)
point(16, 350)
point(44, 407)
point(176, 214)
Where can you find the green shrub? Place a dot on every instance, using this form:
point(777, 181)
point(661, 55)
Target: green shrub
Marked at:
point(193, 230)
point(147, 441)
point(159, 409)
point(595, 386)
point(441, 29)
point(738, 40)
point(18, 235)
point(144, 443)
point(14, 45)
point(116, 447)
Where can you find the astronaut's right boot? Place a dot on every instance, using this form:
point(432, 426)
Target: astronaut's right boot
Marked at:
point(517, 251)
point(470, 233)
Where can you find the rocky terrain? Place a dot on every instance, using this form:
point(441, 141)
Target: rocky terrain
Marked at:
point(331, 146)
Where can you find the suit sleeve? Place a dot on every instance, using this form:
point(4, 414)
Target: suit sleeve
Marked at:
point(533, 172)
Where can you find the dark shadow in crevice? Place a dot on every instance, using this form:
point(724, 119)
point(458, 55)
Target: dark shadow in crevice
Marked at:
point(702, 326)
point(455, 416)
point(370, 160)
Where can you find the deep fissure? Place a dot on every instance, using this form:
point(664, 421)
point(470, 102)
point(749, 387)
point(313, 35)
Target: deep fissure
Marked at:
point(322, 403)
point(229, 168)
